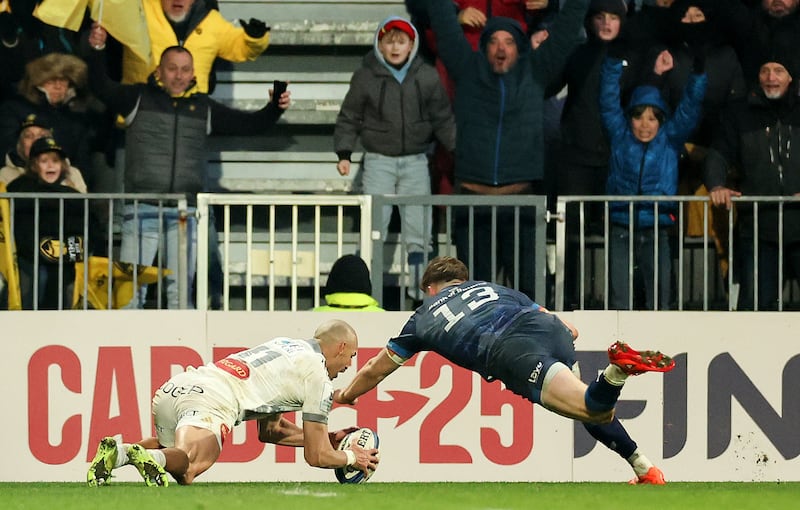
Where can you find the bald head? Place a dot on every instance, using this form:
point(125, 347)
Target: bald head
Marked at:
point(335, 331)
point(339, 344)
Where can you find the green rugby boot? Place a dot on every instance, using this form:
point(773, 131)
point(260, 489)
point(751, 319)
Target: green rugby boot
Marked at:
point(104, 461)
point(154, 475)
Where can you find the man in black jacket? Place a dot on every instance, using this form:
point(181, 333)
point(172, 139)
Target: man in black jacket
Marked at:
point(757, 28)
point(168, 123)
point(756, 138)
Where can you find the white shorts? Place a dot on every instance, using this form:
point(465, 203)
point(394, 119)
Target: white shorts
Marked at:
point(196, 399)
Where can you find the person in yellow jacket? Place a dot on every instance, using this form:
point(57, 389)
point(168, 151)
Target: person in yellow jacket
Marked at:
point(349, 287)
point(201, 30)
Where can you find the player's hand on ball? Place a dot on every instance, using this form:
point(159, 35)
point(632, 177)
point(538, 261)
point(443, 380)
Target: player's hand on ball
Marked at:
point(362, 448)
point(337, 436)
point(366, 460)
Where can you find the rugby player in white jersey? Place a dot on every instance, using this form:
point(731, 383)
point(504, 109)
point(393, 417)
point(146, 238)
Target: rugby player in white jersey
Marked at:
point(195, 411)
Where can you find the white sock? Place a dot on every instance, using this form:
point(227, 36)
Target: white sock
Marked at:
point(122, 454)
point(640, 463)
point(614, 375)
point(159, 457)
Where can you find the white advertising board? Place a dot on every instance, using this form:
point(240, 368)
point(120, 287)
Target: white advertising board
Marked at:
point(729, 411)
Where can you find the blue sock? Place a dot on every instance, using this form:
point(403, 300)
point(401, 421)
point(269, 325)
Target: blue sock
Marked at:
point(601, 395)
point(614, 436)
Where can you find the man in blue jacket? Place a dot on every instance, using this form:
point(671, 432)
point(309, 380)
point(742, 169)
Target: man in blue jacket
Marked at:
point(499, 97)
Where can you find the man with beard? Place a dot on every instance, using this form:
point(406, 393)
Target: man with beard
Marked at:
point(756, 137)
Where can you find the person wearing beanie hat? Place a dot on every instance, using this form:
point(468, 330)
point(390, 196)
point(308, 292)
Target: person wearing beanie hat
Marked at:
point(396, 106)
point(787, 58)
point(583, 151)
point(60, 228)
point(500, 91)
point(756, 29)
point(616, 7)
point(349, 287)
point(697, 43)
point(758, 138)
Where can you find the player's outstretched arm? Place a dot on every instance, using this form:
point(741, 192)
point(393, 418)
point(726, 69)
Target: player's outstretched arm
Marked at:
point(367, 378)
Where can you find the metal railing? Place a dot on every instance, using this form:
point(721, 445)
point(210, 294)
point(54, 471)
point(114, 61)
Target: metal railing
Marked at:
point(99, 237)
point(276, 250)
point(280, 243)
point(473, 209)
point(273, 244)
point(573, 233)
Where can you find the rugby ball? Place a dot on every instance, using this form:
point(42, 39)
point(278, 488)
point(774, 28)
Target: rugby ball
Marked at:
point(365, 438)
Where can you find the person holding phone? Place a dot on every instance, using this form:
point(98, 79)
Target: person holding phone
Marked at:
point(167, 156)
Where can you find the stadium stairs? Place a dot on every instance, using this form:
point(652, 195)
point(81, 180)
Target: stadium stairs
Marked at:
point(315, 46)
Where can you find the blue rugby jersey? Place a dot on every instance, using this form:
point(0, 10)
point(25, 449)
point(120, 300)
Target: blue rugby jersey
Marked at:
point(462, 323)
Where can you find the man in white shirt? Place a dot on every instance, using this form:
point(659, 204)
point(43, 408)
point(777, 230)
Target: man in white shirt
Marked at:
point(196, 410)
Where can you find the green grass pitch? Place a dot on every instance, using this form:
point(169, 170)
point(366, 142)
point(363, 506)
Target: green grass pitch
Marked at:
point(405, 496)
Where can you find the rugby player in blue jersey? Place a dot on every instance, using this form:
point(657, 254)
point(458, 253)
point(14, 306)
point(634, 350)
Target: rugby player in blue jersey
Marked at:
point(501, 334)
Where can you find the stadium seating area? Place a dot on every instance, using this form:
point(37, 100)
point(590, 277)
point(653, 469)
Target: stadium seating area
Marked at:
point(315, 46)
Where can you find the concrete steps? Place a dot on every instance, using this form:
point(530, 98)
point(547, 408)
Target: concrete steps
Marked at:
point(316, 46)
point(318, 83)
point(304, 163)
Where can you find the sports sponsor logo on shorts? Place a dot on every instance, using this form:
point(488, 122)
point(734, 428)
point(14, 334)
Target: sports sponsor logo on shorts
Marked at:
point(172, 389)
point(536, 373)
point(234, 367)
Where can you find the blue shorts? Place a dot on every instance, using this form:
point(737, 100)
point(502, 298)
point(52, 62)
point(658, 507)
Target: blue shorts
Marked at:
point(527, 350)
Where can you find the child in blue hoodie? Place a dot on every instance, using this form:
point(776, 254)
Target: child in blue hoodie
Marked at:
point(396, 105)
point(646, 144)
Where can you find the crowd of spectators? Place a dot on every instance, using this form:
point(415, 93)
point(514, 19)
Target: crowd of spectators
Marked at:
point(500, 63)
point(734, 44)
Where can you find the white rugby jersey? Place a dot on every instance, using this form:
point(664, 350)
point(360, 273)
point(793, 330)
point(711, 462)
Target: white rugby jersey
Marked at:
point(277, 376)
